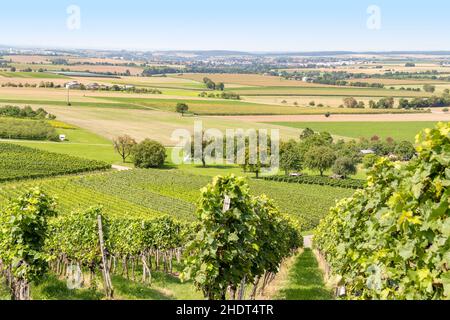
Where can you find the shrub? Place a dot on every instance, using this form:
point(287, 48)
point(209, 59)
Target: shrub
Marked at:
point(344, 166)
point(149, 154)
point(405, 150)
point(369, 160)
point(182, 108)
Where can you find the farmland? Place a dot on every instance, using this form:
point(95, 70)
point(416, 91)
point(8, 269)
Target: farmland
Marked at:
point(23, 163)
point(396, 130)
point(175, 193)
point(31, 75)
point(150, 214)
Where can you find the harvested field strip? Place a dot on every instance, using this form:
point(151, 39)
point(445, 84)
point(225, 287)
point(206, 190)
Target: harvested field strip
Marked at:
point(75, 104)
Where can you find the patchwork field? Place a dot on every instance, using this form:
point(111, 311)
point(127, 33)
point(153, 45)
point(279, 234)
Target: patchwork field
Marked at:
point(31, 75)
point(301, 101)
point(248, 80)
point(382, 67)
point(397, 130)
point(327, 91)
point(141, 124)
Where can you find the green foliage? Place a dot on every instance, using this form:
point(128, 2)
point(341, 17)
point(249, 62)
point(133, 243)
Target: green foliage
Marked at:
point(150, 193)
point(318, 180)
point(369, 160)
point(27, 129)
point(233, 244)
point(17, 162)
point(75, 236)
point(405, 150)
point(254, 159)
point(25, 112)
point(306, 133)
point(391, 240)
point(319, 158)
point(222, 253)
point(149, 154)
point(344, 166)
point(22, 236)
point(182, 108)
point(209, 83)
point(290, 157)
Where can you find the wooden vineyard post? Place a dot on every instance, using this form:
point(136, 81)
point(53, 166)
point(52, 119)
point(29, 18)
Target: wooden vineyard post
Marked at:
point(106, 276)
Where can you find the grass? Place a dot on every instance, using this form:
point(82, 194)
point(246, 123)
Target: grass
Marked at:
point(398, 130)
point(80, 143)
point(164, 287)
point(305, 280)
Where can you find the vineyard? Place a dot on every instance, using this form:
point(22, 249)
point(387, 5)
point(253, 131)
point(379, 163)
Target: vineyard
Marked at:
point(92, 240)
point(156, 192)
point(322, 181)
point(391, 240)
point(17, 162)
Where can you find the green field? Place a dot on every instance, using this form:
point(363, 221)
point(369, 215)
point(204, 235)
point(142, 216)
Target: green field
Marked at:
point(398, 130)
point(79, 143)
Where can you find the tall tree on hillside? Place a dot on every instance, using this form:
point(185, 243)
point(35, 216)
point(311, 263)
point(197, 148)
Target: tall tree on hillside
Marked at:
point(320, 158)
point(290, 157)
point(124, 145)
point(220, 86)
point(350, 102)
point(182, 108)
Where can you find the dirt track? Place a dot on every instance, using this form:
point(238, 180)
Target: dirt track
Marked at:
point(347, 118)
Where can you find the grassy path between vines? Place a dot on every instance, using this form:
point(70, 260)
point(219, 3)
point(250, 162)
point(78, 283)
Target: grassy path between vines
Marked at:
point(305, 280)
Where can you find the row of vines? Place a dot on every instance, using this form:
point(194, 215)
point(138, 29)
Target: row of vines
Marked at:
point(238, 245)
point(322, 181)
point(391, 240)
point(18, 162)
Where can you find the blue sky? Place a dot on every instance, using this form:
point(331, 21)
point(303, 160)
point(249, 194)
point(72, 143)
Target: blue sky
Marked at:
point(249, 25)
